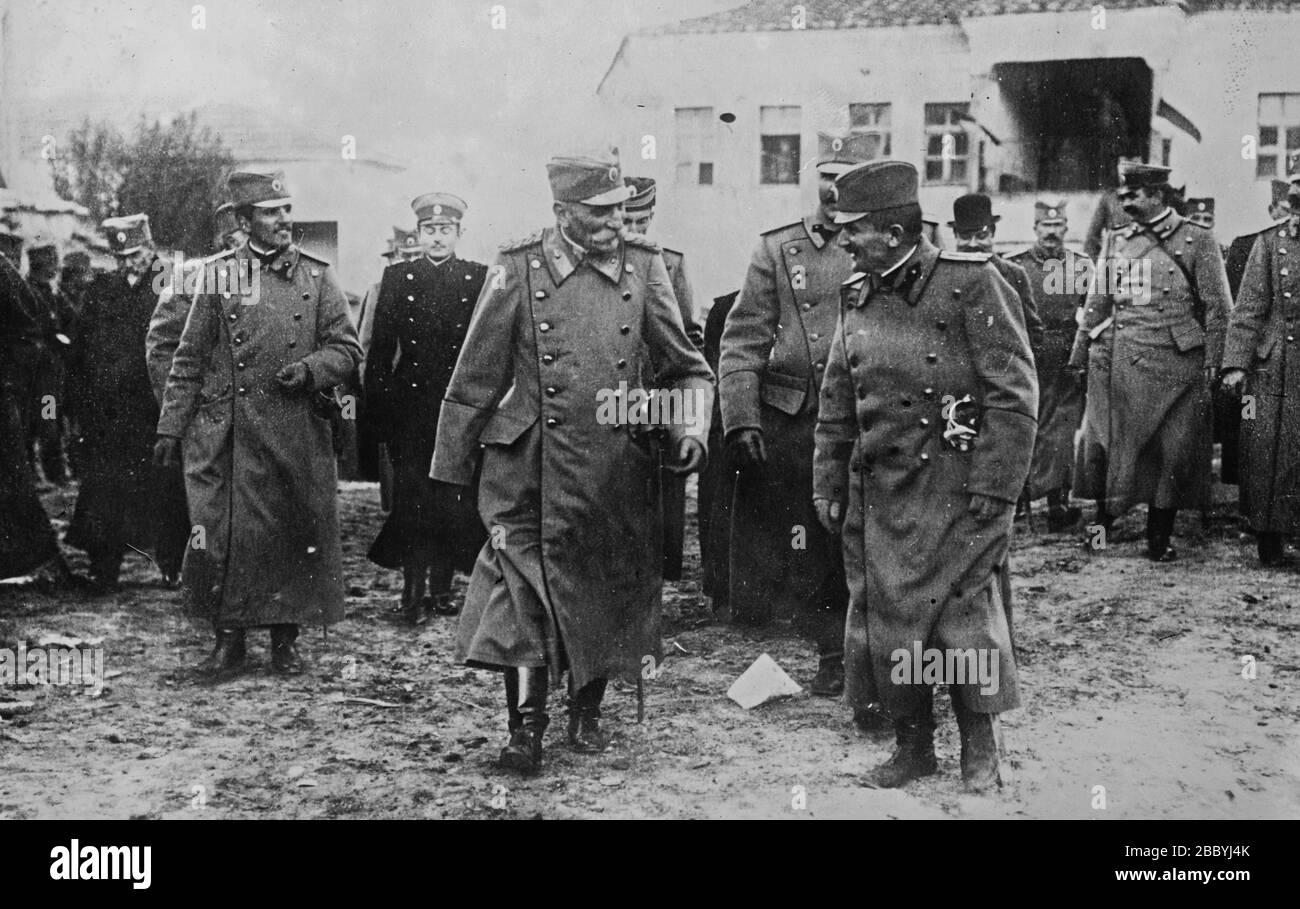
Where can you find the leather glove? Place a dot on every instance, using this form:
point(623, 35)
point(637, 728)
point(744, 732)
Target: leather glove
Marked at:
point(690, 458)
point(829, 514)
point(747, 449)
point(1232, 380)
point(167, 452)
point(295, 377)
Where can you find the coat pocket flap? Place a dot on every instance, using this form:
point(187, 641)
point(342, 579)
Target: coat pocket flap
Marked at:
point(505, 427)
point(787, 400)
point(1187, 337)
point(1264, 348)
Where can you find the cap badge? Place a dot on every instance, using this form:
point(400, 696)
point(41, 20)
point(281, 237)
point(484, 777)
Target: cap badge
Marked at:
point(121, 237)
point(277, 186)
point(837, 145)
point(1051, 213)
point(437, 209)
point(613, 174)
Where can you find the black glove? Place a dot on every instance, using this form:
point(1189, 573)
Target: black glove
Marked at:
point(747, 449)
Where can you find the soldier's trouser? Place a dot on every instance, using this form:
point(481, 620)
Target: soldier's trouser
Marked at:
point(588, 698)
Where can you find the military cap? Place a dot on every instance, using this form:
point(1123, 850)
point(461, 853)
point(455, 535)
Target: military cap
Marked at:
point(127, 235)
point(258, 190)
point(973, 211)
point(875, 186)
point(405, 241)
point(1200, 206)
point(838, 154)
point(1137, 175)
point(1049, 212)
point(643, 194)
point(438, 207)
point(592, 181)
point(226, 220)
point(1281, 189)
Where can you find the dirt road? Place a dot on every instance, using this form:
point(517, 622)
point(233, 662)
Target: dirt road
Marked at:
point(1132, 679)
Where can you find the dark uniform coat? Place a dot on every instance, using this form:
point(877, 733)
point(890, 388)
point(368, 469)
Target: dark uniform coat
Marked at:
point(1060, 283)
point(570, 494)
point(424, 312)
point(1262, 341)
point(26, 538)
point(674, 487)
point(921, 567)
point(1015, 274)
point(718, 478)
point(1147, 424)
point(774, 349)
point(259, 461)
point(123, 500)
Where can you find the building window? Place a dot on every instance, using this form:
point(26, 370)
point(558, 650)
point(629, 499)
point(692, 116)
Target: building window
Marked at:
point(1279, 134)
point(696, 134)
point(947, 145)
point(869, 130)
point(780, 130)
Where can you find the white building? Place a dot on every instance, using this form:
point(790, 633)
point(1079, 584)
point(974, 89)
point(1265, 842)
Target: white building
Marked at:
point(1020, 99)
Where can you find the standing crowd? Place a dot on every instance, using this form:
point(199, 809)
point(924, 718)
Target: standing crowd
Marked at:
point(883, 412)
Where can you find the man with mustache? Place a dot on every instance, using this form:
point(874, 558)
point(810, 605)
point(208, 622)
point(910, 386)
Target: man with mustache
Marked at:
point(1151, 340)
point(1060, 279)
point(249, 392)
point(923, 441)
point(570, 577)
point(423, 311)
point(774, 348)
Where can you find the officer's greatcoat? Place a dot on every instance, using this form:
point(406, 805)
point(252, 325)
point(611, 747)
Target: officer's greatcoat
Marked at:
point(569, 491)
point(922, 568)
point(423, 312)
point(774, 349)
point(1060, 282)
point(259, 461)
point(123, 500)
point(1262, 341)
point(1147, 423)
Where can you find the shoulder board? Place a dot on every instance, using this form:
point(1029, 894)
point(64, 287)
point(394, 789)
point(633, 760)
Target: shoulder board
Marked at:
point(1018, 253)
point(475, 265)
point(303, 254)
point(532, 239)
point(672, 252)
point(224, 254)
point(1282, 223)
point(783, 227)
point(641, 241)
point(855, 278)
point(958, 256)
point(1191, 223)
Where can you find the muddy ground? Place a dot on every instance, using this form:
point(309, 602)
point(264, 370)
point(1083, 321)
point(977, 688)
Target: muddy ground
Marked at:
point(1132, 680)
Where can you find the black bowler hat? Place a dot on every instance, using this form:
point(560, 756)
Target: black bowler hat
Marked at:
point(973, 212)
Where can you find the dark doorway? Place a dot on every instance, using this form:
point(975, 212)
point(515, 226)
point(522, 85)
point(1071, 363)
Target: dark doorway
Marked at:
point(1074, 119)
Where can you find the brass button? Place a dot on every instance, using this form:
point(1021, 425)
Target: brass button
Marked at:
point(814, 337)
point(409, 297)
point(234, 316)
point(552, 391)
point(243, 391)
point(941, 325)
point(410, 277)
point(925, 421)
point(794, 250)
point(293, 344)
point(1290, 337)
point(932, 358)
point(924, 456)
point(807, 306)
point(622, 364)
point(306, 295)
point(1283, 272)
point(535, 263)
point(297, 317)
point(239, 339)
point(547, 358)
point(628, 268)
point(544, 326)
point(551, 421)
point(627, 295)
point(956, 291)
point(820, 364)
point(239, 365)
point(929, 392)
point(541, 295)
point(624, 329)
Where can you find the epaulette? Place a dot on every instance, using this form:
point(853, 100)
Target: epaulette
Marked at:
point(303, 254)
point(532, 239)
point(225, 253)
point(1020, 252)
point(959, 256)
point(777, 230)
point(641, 241)
point(674, 252)
point(855, 278)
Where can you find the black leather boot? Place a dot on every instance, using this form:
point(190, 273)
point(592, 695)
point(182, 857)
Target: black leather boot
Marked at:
point(1271, 548)
point(528, 720)
point(913, 755)
point(1061, 516)
point(415, 606)
point(229, 654)
point(829, 681)
point(871, 720)
point(585, 735)
point(284, 652)
point(979, 747)
point(1160, 529)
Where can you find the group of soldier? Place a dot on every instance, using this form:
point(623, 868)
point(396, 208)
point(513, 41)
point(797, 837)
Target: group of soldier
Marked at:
point(882, 408)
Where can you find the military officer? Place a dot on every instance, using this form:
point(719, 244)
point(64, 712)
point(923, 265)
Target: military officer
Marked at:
point(1279, 211)
point(638, 212)
point(569, 488)
point(1151, 340)
point(121, 502)
point(249, 392)
point(974, 226)
point(1200, 211)
point(424, 311)
point(774, 349)
point(923, 443)
point(1260, 358)
point(1060, 280)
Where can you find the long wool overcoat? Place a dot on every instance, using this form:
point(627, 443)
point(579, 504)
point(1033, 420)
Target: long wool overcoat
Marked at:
point(569, 491)
point(259, 461)
point(922, 570)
